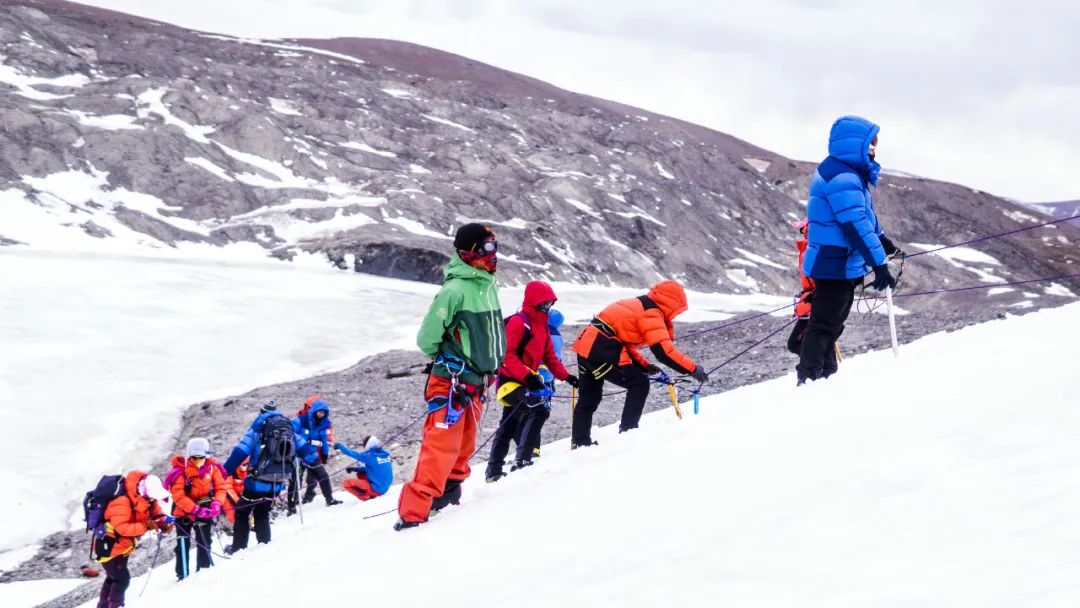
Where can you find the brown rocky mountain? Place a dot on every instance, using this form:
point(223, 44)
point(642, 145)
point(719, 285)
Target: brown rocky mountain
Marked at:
point(372, 151)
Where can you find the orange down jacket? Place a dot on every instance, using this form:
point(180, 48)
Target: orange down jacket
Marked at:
point(802, 304)
point(636, 324)
point(206, 484)
point(130, 515)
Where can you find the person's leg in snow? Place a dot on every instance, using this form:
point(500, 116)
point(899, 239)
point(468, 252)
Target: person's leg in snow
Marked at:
point(533, 417)
point(360, 487)
point(832, 304)
point(591, 391)
point(508, 430)
point(444, 454)
point(183, 547)
point(203, 530)
point(636, 383)
point(117, 579)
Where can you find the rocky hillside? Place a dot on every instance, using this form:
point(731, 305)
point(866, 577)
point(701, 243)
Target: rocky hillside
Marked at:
point(1059, 210)
point(121, 133)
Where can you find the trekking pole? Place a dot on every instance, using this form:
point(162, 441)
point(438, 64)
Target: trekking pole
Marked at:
point(153, 563)
point(697, 400)
point(296, 481)
point(892, 322)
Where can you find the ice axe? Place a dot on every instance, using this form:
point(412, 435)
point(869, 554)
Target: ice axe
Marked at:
point(892, 321)
point(663, 378)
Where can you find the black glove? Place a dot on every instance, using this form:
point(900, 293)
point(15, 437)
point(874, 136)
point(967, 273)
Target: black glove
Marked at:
point(571, 380)
point(427, 368)
point(534, 382)
point(700, 374)
point(353, 469)
point(882, 278)
point(890, 247)
point(651, 370)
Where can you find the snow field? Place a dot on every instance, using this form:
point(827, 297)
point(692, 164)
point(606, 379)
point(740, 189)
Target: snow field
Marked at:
point(914, 481)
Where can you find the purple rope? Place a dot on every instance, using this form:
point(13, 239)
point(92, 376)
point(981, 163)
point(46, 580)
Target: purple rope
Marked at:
point(995, 236)
point(752, 346)
point(733, 323)
point(1063, 277)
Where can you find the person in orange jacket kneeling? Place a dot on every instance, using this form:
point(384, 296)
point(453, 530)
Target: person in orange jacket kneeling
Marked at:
point(607, 349)
point(198, 490)
point(128, 517)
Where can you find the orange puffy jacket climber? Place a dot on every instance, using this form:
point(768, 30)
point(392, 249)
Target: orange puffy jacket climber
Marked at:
point(608, 349)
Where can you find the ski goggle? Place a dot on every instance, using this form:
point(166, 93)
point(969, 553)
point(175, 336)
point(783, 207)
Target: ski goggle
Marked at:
point(544, 307)
point(489, 246)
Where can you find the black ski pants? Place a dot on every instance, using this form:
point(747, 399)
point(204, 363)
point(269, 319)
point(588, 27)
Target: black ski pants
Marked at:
point(591, 391)
point(117, 579)
point(192, 532)
point(830, 308)
point(530, 439)
point(515, 425)
point(256, 505)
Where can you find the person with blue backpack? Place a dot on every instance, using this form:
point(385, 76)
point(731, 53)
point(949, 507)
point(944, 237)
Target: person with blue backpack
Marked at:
point(520, 386)
point(374, 469)
point(846, 241)
point(534, 424)
point(312, 423)
point(272, 447)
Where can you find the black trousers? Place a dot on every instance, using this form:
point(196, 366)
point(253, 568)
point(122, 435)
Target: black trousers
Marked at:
point(529, 437)
point(515, 424)
point(794, 344)
point(256, 505)
point(591, 391)
point(312, 474)
point(831, 306)
point(117, 579)
point(192, 532)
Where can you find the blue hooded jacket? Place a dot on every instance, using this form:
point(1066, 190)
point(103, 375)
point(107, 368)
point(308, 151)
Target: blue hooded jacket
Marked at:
point(249, 448)
point(376, 463)
point(844, 235)
point(306, 426)
point(555, 321)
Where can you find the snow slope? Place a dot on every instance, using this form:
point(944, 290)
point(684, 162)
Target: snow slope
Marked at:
point(946, 477)
point(112, 349)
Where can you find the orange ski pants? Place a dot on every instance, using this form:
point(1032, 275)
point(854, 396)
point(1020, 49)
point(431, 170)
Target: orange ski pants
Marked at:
point(444, 452)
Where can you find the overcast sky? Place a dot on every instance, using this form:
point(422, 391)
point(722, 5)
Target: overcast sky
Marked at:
point(982, 93)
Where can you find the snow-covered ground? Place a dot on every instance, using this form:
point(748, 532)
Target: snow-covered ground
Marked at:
point(946, 477)
point(102, 352)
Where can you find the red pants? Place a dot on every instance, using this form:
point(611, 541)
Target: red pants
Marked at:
point(444, 453)
point(360, 487)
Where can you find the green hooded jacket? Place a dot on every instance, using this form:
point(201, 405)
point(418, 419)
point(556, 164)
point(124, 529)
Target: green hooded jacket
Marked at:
point(465, 321)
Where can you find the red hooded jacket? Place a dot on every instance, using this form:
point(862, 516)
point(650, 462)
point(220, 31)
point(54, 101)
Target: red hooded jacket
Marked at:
point(538, 350)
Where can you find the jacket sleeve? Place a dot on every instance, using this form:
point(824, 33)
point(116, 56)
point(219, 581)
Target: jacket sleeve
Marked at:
point(122, 519)
point(654, 329)
point(636, 357)
point(847, 200)
point(439, 318)
point(350, 453)
point(511, 363)
point(553, 362)
point(183, 502)
point(240, 452)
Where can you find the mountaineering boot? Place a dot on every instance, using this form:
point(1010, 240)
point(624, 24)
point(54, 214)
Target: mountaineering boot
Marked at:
point(290, 511)
point(520, 464)
point(308, 498)
point(401, 524)
point(574, 446)
point(332, 501)
point(451, 496)
point(493, 477)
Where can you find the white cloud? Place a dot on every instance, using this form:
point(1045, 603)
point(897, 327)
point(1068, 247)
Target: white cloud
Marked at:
point(977, 92)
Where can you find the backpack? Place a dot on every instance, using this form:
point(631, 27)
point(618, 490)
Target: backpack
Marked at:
point(94, 503)
point(526, 336)
point(276, 451)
